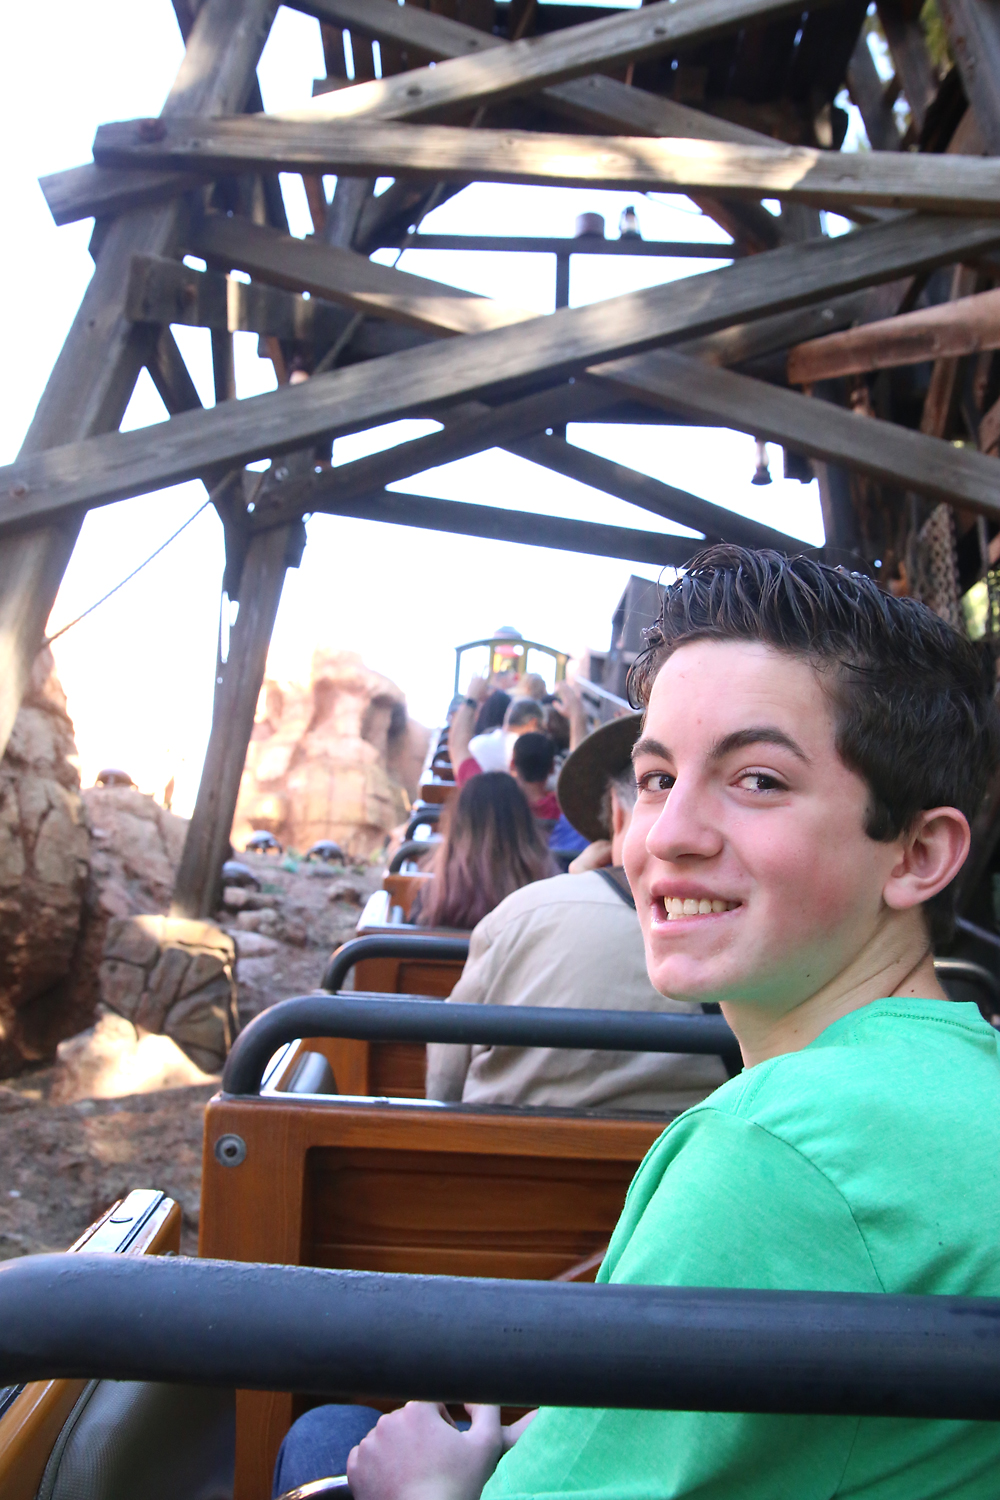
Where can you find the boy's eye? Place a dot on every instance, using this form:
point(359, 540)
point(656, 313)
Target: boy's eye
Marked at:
point(655, 782)
point(760, 781)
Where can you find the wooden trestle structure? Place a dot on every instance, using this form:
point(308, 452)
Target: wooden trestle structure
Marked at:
point(869, 356)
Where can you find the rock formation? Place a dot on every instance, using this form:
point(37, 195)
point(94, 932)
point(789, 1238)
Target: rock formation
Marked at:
point(337, 759)
point(44, 848)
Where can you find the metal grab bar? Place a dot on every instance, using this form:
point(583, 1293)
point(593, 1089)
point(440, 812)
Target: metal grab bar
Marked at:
point(517, 1343)
point(411, 1018)
point(966, 971)
point(412, 849)
point(412, 945)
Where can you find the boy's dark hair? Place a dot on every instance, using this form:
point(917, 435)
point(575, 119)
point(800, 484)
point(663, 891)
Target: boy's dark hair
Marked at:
point(533, 757)
point(916, 716)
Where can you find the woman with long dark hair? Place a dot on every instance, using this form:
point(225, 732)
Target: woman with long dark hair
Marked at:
point(492, 846)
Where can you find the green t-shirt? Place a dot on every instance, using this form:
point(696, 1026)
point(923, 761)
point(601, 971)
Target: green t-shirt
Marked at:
point(868, 1162)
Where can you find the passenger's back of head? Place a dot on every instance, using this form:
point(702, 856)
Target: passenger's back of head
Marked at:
point(492, 712)
point(523, 712)
point(491, 848)
point(533, 758)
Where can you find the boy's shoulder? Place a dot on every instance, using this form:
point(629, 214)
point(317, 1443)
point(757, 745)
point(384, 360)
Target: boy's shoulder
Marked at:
point(894, 1050)
point(882, 1090)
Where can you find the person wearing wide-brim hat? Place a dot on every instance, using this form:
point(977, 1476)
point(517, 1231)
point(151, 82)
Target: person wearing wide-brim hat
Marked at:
point(596, 790)
point(574, 941)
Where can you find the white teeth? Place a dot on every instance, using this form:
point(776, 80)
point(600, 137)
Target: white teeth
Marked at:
point(688, 906)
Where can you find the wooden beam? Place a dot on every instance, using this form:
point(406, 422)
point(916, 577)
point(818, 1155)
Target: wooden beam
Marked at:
point(494, 73)
point(94, 376)
point(896, 455)
point(910, 57)
point(973, 28)
point(868, 92)
point(602, 103)
point(545, 349)
point(665, 500)
point(950, 328)
point(833, 180)
point(162, 290)
point(462, 518)
point(196, 891)
point(584, 245)
point(346, 278)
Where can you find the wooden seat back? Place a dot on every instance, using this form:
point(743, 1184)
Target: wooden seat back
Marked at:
point(439, 1189)
point(390, 1069)
point(434, 789)
point(32, 1416)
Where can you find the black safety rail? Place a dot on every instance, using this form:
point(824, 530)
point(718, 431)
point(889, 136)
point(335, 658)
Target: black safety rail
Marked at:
point(411, 1018)
point(423, 812)
point(415, 947)
point(412, 849)
point(296, 1328)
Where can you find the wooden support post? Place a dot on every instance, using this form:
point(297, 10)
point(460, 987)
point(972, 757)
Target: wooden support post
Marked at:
point(914, 69)
point(973, 28)
point(93, 379)
point(196, 892)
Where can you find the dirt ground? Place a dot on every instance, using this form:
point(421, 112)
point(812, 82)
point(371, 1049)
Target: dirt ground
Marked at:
point(61, 1165)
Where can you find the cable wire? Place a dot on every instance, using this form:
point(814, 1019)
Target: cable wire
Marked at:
point(105, 597)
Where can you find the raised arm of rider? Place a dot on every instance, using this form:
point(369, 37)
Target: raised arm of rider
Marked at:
point(462, 724)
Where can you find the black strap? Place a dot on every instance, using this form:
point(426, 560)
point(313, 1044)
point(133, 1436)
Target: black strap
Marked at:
point(618, 881)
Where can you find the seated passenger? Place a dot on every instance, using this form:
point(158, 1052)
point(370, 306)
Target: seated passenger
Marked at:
point(491, 847)
point(471, 752)
point(812, 752)
point(572, 941)
point(532, 762)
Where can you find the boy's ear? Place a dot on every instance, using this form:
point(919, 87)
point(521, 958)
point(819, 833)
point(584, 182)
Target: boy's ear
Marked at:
point(931, 853)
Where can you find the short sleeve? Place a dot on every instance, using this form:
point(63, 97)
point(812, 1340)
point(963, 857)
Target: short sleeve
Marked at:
point(718, 1202)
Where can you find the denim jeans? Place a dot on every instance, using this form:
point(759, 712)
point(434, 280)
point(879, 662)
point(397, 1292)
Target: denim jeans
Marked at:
point(317, 1446)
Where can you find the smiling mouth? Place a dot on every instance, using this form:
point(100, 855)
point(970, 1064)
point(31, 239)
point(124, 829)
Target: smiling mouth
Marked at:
point(676, 907)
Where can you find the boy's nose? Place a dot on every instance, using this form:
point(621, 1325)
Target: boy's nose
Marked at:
point(684, 828)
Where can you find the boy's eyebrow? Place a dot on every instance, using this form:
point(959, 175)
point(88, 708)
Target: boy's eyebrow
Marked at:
point(740, 739)
point(758, 734)
point(647, 746)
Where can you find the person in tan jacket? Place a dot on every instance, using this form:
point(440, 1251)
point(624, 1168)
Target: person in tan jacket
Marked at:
point(574, 941)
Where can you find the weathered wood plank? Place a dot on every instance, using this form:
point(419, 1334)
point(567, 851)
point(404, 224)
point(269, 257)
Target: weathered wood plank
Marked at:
point(496, 73)
point(835, 180)
point(910, 57)
point(583, 245)
point(868, 93)
point(93, 379)
point(196, 891)
point(973, 28)
point(543, 349)
point(496, 524)
point(601, 102)
point(951, 328)
point(344, 277)
point(651, 494)
point(896, 455)
point(161, 290)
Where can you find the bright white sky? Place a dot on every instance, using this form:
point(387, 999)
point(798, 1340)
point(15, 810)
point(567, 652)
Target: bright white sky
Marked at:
point(139, 671)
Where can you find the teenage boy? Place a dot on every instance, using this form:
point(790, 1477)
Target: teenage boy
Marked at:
point(812, 753)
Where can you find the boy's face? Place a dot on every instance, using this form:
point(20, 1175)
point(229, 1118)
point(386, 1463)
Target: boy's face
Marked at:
point(744, 803)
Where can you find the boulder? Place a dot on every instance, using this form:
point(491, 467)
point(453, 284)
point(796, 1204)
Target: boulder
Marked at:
point(44, 854)
point(338, 759)
point(111, 1060)
point(173, 976)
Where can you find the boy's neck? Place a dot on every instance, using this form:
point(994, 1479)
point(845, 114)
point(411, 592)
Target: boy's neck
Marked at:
point(878, 973)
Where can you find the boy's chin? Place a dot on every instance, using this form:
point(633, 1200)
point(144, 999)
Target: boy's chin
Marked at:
point(681, 978)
